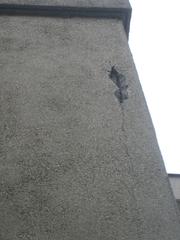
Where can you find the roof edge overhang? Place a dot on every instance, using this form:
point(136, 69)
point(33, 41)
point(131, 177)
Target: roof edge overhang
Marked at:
point(175, 175)
point(122, 13)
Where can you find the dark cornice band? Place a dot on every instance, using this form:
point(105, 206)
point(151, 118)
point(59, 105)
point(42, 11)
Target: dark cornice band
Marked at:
point(68, 12)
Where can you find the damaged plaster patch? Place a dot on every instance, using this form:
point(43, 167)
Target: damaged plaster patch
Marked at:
point(120, 81)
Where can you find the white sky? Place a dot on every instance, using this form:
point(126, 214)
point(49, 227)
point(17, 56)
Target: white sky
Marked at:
point(155, 45)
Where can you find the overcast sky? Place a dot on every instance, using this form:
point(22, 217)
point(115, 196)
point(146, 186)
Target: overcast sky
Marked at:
point(155, 45)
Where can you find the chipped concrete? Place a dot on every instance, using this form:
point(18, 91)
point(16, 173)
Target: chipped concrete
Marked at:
point(74, 162)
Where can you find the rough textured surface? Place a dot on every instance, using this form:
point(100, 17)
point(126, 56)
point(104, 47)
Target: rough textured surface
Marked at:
point(77, 3)
point(75, 164)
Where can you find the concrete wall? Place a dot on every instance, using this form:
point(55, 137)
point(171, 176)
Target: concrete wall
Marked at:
point(74, 162)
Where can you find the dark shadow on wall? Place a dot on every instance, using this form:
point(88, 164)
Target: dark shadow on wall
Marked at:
point(178, 203)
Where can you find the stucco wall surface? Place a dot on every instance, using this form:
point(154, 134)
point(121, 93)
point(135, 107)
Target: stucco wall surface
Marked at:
point(75, 164)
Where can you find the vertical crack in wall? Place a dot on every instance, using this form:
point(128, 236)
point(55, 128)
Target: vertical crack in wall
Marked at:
point(122, 94)
point(137, 215)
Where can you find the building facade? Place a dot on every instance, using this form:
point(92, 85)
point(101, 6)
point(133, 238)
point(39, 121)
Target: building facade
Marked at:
point(79, 157)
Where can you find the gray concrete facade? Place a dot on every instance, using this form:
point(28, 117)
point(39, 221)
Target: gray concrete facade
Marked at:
point(75, 163)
